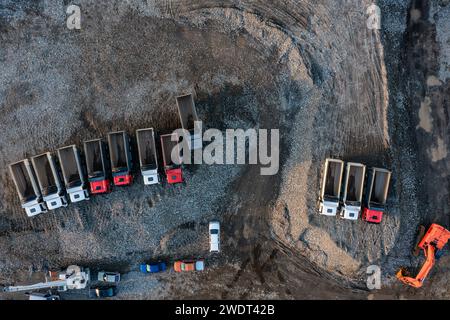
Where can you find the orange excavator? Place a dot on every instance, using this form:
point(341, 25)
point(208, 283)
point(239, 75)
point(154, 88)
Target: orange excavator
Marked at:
point(434, 240)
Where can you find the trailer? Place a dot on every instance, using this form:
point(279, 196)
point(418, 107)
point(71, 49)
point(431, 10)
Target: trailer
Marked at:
point(331, 187)
point(148, 159)
point(73, 173)
point(49, 181)
point(171, 168)
point(97, 166)
point(376, 195)
point(353, 190)
point(120, 157)
point(189, 120)
point(27, 187)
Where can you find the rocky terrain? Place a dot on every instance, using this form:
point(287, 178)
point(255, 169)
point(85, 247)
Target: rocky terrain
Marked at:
point(312, 69)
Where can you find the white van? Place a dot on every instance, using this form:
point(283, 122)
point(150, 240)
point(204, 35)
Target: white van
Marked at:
point(214, 236)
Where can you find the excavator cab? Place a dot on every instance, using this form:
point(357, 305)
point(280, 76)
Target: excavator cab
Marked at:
point(432, 244)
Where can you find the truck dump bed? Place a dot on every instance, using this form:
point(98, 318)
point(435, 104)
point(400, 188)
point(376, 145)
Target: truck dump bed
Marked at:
point(26, 187)
point(70, 166)
point(187, 112)
point(46, 177)
point(119, 151)
point(354, 183)
point(380, 186)
point(188, 118)
point(147, 149)
point(333, 179)
point(95, 158)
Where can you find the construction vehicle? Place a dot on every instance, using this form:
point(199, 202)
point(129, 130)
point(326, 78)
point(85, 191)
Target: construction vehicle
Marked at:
point(189, 121)
point(49, 181)
point(73, 278)
point(376, 195)
point(120, 157)
point(353, 190)
point(147, 155)
point(172, 167)
point(73, 173)
point(27, 188)
point(434, 240)
point(331, 187)
point(97, 166)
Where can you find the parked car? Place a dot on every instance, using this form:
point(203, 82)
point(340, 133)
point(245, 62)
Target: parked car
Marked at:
point(153, 267)
point(214, 236)
point(112, 277)
point(103, 292)
point(189, 265)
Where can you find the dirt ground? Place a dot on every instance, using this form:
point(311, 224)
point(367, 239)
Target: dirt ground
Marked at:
point(312, 69)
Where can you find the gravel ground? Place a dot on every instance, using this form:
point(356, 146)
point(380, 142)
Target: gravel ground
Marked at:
point(309, 68)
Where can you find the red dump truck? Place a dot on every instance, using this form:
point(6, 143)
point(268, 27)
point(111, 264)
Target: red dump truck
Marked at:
point(120, 157)
point(27, 187)
point(376, 195)
point(97, 166)
point(171, 168)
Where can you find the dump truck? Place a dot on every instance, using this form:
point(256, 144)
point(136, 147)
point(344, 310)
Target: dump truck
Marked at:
point(376, 195)
point(148, 159)
point(49, 181)
point(171, 168)
point(188, 118)
point(120, 157)
point(73, 173)
point(331, 187)
point(353, 190)
point(27, 187)
point(97, 166)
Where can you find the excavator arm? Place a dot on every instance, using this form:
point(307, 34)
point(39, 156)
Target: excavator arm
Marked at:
point(417, 282)
point(435, 239)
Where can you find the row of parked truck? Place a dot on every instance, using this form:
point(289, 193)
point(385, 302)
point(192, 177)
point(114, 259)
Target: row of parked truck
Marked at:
point(38, 180)
point(342, 191)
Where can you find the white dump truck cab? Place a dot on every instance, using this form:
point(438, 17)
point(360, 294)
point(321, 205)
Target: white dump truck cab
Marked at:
point(148, 159)
point(189, 121)
point(353, 190)
point(27, 188)
point(73, 173)
point(331, 187)
point(49, 181)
